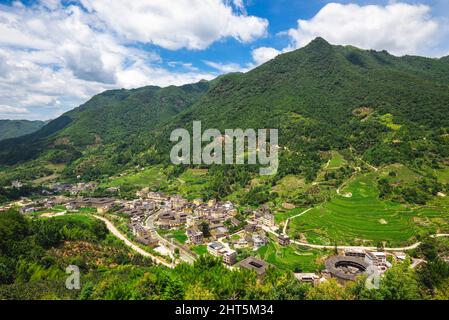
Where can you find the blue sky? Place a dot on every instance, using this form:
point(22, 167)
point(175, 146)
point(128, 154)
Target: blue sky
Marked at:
point(56, 54)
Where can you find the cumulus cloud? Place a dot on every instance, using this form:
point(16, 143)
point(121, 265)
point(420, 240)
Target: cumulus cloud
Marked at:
point(264, 54)
point(191, 24)
point(398, 27)
point(55, 56)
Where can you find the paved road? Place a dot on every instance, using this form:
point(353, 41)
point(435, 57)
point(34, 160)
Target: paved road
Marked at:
point(183, 254)
point(317, 246)
point(131, 245)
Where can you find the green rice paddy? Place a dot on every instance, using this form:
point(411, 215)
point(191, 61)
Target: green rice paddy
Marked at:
point(361, 218)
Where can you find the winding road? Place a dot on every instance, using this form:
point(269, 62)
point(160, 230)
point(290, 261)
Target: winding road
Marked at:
point(131, 245)
point(318, 246)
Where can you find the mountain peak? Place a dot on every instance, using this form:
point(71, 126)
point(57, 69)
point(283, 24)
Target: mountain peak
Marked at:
point(319, 43)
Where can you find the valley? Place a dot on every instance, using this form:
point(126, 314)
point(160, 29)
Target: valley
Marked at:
point(363, 174)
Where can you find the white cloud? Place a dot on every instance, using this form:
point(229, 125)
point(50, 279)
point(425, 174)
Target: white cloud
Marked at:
point(398, 27)
point(226, 67)
point(264, 54)
point(191, 24)
point(259, 55)
point(54, 57)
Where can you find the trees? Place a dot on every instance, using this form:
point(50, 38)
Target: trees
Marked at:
point(328, 290)
point(204, 227)
point(434, 273)
point(46, 232)
point(400, 283)
point(198, 292)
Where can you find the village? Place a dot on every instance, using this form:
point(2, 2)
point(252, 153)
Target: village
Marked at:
point(213, 227)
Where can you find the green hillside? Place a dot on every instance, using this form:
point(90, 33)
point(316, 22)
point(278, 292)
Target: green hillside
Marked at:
point(16, 128)
point(385, 109)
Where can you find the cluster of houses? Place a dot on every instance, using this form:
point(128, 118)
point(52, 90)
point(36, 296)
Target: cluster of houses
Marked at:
point(263, 216)
point(102, 205)
point(28, 206)
point(175, 212)
point(72, 189)
point(218, 216)
point(138, 211)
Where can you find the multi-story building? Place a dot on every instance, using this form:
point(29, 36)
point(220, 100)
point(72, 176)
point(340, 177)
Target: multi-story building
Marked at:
point(195, 237)
point(177, 202)
point(221, 232)
point(311, 278)
point(377, 259)
point(283, 240)
point(259, 241)
point(182, 217)
point(148, 240)
point(193, 221)
point(268, 220)
point(214, 248)
point(229, 256)
point(355, 253)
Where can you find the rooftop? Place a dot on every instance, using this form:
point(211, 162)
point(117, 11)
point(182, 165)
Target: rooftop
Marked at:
point(255, 264)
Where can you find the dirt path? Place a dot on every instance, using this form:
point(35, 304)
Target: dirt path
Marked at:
point(284, 231)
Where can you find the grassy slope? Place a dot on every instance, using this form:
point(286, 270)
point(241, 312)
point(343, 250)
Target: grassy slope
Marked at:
point(150, 177)
point(291, 258)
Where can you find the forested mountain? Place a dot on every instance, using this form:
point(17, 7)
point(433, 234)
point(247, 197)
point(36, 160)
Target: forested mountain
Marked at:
point(107, 118)
point(321, 97)
point(16, 128)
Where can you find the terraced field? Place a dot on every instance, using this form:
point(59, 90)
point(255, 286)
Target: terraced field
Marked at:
point(150, 177)
point(191, 184)
point(358, 217)
point(291, 258)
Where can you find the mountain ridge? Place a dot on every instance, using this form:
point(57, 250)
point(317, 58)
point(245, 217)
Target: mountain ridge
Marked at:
point(310, 94)
point(16, 128)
